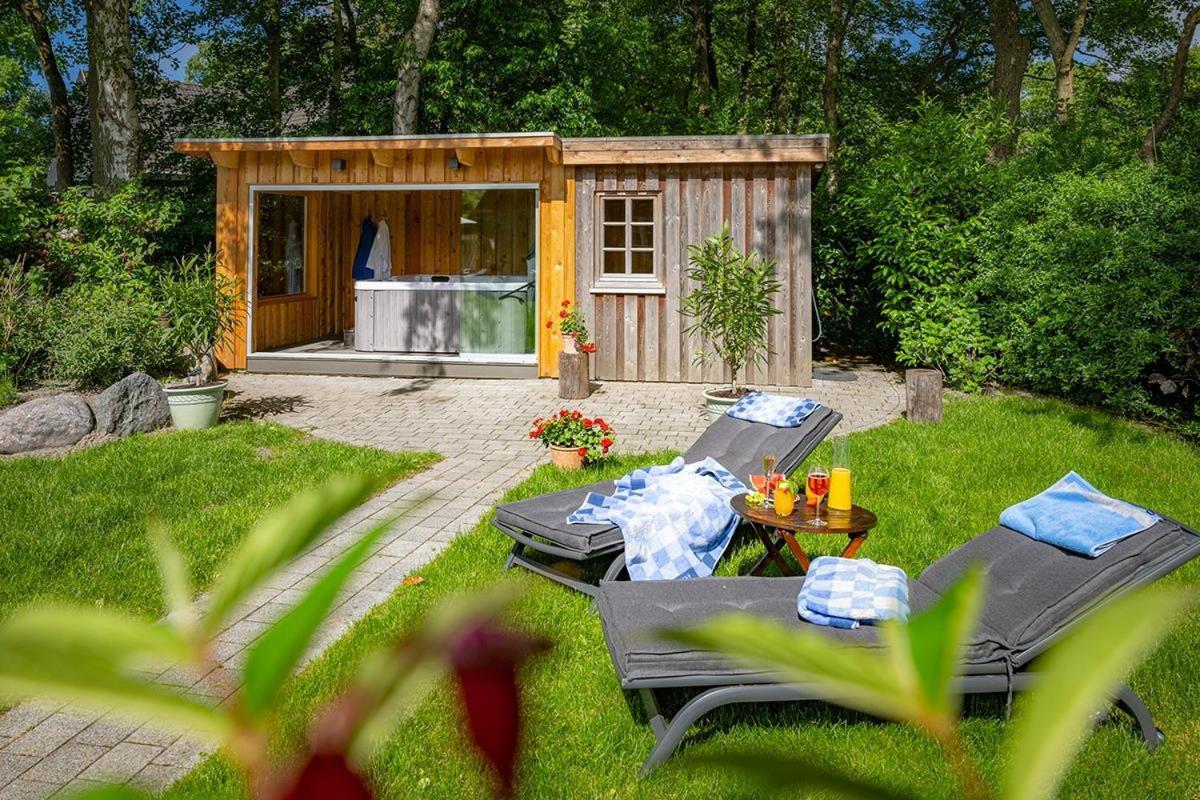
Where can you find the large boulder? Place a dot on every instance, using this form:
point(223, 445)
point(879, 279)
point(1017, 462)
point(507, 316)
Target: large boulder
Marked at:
point(58, 421)
point(134, 404)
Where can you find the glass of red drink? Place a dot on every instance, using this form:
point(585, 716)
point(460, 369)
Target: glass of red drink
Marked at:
point(818, 484)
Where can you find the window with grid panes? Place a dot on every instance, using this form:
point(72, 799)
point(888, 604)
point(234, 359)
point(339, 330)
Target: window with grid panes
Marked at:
point(628, 242)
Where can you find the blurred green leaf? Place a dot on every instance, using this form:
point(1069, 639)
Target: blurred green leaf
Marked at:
point(275, 654)
point(933, 642)
point(177, 584)
point(778, 773)
point(1079, 675)
point(852, 676)
point(98, 658)
point(278, 538)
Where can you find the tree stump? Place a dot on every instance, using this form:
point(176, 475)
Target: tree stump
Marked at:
point(923, 388)
point(573, 376)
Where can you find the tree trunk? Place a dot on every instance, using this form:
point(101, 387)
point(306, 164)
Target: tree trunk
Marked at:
point(1062, 51)
point(273, 31)
point(839, 21)
point(1178, 83)
point(414, 49)
point(1008, 70)
point(705, 64)
point(745, 71)
point(60, 106)
point(336, 67)
point(351, 23)
point(111, 93)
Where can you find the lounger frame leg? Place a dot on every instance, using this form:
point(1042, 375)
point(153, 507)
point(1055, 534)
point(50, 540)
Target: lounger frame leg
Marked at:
point(1128, 701)
point(669, 733)
point(517, 557)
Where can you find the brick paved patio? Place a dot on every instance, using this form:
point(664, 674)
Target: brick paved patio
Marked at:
point(479, 427)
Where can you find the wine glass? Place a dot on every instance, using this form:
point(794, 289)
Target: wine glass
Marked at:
point(769, 462)
point(818, 484)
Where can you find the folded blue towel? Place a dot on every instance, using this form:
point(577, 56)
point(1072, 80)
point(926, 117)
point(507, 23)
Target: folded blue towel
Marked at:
point(773, 409)
point(847, 592)
point(1074, 515)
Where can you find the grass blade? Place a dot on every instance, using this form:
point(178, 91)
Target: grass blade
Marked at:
point(1079, 675)
point(278, 650)
point(278, 538)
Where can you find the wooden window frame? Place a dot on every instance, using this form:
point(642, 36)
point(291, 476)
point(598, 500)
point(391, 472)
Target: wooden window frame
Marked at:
point(307, 292)
point(628, 283)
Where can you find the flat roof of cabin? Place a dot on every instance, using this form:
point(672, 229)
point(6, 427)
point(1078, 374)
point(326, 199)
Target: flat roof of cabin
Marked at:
point(812, 148)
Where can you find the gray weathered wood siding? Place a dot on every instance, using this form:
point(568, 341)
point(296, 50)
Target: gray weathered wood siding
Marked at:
point(769, 209)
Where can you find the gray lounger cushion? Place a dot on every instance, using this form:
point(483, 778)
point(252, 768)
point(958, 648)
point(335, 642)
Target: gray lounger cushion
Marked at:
point(738, 445)
point(632, 610)
point(546, 516)
point(1035, 589)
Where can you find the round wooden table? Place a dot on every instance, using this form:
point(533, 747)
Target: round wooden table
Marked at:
point(774, 531)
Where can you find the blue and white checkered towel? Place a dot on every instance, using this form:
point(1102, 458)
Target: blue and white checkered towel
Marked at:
point(773, 409)
point(1074, 515)
point(845, 592)
point(676, 519)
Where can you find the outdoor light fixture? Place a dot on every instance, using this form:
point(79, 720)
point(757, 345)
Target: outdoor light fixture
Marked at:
point(452, 161)
point(339, 164)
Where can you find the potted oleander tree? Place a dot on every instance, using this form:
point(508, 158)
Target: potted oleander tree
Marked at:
point(199, 305)
point(730, 308)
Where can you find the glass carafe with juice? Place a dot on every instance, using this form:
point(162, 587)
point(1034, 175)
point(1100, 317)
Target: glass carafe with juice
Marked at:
point(840, 475)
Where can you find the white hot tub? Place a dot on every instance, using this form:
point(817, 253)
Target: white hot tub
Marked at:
point(445, 314)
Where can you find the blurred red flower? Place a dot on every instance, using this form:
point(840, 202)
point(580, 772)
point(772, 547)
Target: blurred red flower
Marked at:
point(327, 776)
point(485, 662)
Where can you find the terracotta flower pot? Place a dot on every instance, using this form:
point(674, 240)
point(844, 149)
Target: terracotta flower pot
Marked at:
point(569, 345)
point(565, 457)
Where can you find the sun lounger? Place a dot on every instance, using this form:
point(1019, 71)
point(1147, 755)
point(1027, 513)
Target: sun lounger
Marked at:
point(1035, 593)
point(538, 526)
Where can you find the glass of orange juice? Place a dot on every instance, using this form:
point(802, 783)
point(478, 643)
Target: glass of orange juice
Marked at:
point(840, 476)
point(785, 498)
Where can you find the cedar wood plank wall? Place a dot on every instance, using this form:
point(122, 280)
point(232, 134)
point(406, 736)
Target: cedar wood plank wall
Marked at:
point(768, 206)
point(301, 318)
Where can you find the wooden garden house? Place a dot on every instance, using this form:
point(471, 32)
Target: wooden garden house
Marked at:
point(447, 255)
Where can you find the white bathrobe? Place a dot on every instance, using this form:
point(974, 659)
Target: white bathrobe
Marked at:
point(380, 259)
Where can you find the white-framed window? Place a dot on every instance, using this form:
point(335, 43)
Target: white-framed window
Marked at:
point(628, 241)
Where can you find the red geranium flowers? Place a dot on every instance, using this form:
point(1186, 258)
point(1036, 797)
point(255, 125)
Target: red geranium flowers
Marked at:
point(590, 437)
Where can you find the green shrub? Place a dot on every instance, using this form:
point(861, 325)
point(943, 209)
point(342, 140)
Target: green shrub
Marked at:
point(97, 237)
point(103, 332)
point(24, 319)
point(8, 390)
point(919, 207)
point(1088, 281)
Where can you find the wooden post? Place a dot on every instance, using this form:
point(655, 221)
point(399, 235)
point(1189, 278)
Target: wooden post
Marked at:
point(923, 388)
point(573, 376)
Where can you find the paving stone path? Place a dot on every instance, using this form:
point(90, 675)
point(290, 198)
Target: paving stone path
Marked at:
point(479, 427)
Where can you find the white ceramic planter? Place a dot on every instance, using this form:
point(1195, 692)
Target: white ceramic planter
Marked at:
point(717, 404)
point(195, 408)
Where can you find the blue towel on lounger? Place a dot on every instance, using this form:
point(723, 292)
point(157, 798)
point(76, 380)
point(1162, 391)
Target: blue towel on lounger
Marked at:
point(773, 409)
point(676, 519)
point(847, 592)
point(1074, 515)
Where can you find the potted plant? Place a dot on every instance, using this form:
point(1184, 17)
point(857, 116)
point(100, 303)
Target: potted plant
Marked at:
point(573, 329)
point(574, 375)
point(573, 438)
point(730, 306)
point(200, 306)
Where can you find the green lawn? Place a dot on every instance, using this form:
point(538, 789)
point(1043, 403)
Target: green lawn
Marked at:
point(933, 488)
point(75, 527)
